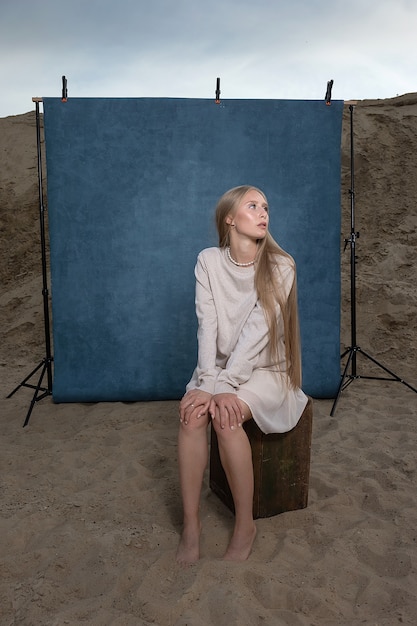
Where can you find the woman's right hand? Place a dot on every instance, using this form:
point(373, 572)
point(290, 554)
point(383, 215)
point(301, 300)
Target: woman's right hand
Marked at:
point(195, 403)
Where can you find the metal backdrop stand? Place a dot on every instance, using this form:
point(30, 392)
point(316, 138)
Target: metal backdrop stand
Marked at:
point(354, 349)
point(41, 390)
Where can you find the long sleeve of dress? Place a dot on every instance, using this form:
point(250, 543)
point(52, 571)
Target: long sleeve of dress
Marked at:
point(251, 344)
point(240, 364)
point(206, 369)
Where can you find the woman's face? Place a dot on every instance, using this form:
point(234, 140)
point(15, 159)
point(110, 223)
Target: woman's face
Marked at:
point(251, 217)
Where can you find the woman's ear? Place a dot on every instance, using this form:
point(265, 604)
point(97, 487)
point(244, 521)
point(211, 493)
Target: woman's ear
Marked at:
point(229, 220)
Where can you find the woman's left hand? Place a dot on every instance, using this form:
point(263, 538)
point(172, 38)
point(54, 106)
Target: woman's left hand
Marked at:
point(225, 408)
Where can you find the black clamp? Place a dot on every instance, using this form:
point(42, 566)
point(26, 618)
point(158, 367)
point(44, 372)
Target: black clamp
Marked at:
point(218, 91)
point(328, 96)
point(64, 96)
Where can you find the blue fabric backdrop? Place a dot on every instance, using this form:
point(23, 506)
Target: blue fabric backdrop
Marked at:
point(131, 189)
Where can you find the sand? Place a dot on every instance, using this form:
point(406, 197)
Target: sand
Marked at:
point(90, 507)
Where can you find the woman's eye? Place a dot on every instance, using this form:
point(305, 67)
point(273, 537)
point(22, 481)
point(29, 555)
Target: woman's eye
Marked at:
point(253, 205)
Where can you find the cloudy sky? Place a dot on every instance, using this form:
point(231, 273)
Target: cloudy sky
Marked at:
point(283, 49)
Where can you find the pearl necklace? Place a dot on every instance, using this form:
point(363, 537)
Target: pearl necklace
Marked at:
point(235, 262)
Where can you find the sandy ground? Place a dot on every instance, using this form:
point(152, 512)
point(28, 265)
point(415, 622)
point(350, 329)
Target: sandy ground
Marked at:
point(89, 497)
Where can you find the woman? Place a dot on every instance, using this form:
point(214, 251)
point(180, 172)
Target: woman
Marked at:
point(249, 363)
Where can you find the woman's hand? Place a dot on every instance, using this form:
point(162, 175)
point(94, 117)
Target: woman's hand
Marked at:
point(225, 408)
point(195, 403)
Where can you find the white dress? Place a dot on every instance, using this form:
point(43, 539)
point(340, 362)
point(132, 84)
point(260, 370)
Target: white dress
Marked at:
point(233, 355)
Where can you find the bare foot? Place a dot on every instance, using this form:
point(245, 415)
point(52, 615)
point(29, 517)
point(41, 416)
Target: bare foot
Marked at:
point(189, 547)
point(240, 545)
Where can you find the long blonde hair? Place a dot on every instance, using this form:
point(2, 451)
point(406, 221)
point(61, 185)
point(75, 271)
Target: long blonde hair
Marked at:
point(268, 290)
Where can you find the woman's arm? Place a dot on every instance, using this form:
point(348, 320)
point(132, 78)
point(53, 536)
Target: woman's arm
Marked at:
point(251, 342)
point(207, 329)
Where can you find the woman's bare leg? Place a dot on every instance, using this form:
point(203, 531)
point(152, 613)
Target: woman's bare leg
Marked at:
point(192, 460)
point(236, 457)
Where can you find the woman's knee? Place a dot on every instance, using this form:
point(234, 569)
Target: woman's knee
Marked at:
point(226, 433)
point(246, 412)
point(194, 423)
point(226, 430)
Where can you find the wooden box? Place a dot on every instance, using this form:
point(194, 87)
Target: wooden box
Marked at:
point(281, 467)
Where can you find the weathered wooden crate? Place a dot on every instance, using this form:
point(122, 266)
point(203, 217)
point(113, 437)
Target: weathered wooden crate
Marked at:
point(281, 467)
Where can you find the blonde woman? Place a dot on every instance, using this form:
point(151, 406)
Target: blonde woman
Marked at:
point(249, 363)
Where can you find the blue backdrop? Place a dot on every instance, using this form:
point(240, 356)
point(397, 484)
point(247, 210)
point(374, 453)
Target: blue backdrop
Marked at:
point(131, 188)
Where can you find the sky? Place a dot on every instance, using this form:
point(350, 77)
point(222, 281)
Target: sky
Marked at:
point(177, 48)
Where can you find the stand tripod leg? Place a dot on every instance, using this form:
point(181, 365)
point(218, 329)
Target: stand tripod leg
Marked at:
point(38, 389)
point(342, 381)
point(343, 384)
point(394, 378)
point(24, 381)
